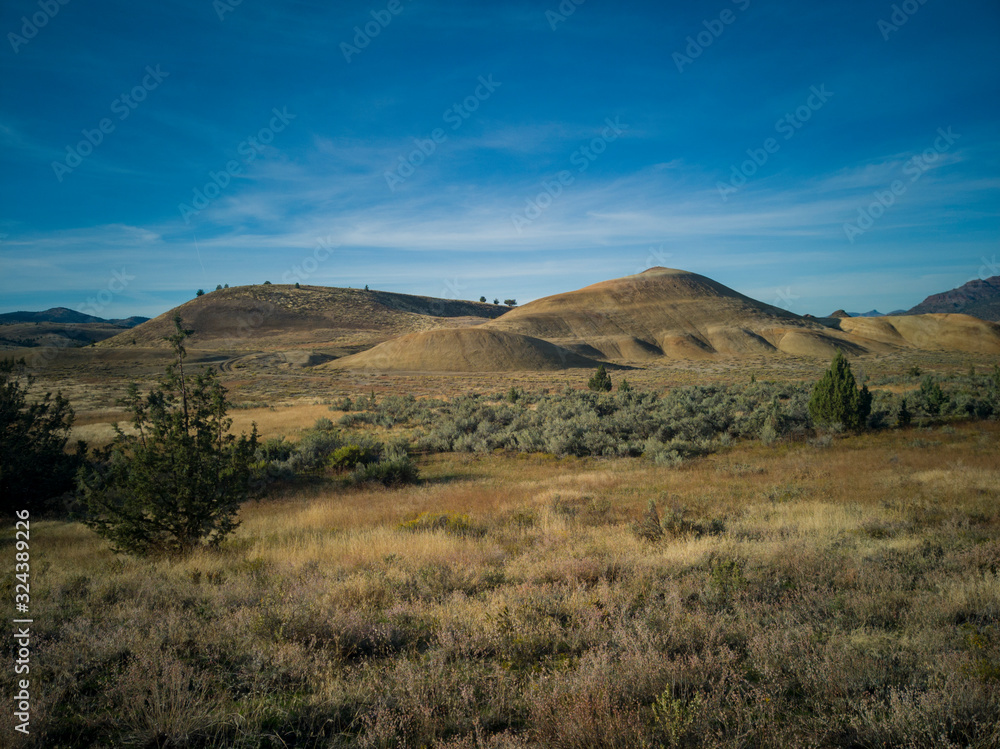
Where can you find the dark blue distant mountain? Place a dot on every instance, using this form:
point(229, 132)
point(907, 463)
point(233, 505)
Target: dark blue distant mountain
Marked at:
point(65, 315)
point(980, 298)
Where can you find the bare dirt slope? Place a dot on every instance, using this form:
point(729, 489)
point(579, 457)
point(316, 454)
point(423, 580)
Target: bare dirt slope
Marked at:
point(277, 317)
point(673, 313)
point(658, 315)
point(464, 350)
point(931, 332)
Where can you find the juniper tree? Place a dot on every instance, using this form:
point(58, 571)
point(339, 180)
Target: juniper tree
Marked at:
point(34, 465)
point(904, 417)
point(932, 395)
point(836, 398)
point(601, 381)
point(178, 478)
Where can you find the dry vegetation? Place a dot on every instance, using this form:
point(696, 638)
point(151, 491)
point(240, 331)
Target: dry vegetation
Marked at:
point(834, 593)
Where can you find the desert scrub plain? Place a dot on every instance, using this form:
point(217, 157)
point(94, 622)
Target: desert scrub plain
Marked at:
point(840, 590)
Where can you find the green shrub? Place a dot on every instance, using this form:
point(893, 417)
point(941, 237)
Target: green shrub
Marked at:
point(676, 717)
point(725, 577)
point(903, 417)
point(272, 461)
point(179, 479)
point(837, 400)
point(601, 381)
point(932, 396)
point(34, 467)
point(313, 451)
point(351, 456)
point(393, 470)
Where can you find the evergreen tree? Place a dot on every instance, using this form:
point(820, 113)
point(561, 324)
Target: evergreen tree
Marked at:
point(601, 381)
point(932, 395)
point(904, 417)
point(178, 479)
point(34, 465)
point(837, 400)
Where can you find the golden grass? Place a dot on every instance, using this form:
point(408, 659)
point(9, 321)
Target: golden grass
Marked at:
point(834, 595)
point(283, 419)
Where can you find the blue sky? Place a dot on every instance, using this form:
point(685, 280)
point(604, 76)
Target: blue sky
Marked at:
point(831, 155)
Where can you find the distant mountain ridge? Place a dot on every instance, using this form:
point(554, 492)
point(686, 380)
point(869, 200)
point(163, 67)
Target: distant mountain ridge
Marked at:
point(979, 298)
point(66, 316)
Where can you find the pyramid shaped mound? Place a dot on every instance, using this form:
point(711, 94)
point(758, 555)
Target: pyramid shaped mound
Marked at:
point(463, 350)
point(673, 313)
point(940, 332)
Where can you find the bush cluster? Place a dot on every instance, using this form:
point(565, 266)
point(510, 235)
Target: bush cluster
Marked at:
point(683, 423)
point(359, 457)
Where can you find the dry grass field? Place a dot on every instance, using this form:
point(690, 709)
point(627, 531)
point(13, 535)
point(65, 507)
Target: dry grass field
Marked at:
point(839, 592)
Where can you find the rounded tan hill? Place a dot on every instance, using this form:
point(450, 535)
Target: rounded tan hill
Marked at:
point(673, 313)
point(278, 317)
point(941, 332)
point(463, 350)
